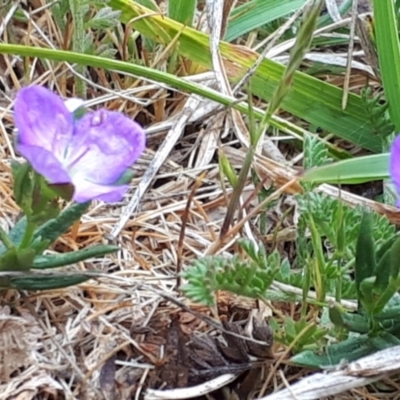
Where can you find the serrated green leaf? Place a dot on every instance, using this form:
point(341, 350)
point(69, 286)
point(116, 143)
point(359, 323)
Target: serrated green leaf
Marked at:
point(103, 19)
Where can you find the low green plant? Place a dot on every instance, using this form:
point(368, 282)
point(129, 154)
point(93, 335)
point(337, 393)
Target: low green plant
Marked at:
point(342, 253)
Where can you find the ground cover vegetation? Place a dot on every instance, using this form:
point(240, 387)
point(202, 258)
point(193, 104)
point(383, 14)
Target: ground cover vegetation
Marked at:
point(199, 199)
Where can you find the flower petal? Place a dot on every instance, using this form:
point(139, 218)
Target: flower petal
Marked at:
point(43, 120)
point(73, 104)
point(86, 191)
point(44, 163)
point(104, 145)
point(394, 166)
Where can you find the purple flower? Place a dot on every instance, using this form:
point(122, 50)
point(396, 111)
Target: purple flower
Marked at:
point(91, 153)
point(394, 167)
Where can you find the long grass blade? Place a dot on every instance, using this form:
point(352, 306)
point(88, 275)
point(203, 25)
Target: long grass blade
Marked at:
point(311, 99)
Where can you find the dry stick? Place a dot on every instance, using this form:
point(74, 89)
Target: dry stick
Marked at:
point(286, 383)
point(216, 245)
point(202, 211)
point(349, 54)
point(184, 220)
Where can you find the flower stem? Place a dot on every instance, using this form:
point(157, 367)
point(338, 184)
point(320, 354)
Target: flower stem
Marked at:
point(29, 232)
point(5, 239)
point(78, 43)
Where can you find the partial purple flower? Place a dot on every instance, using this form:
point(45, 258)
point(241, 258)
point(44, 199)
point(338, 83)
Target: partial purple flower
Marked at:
point(394, 167)
point(92, 153)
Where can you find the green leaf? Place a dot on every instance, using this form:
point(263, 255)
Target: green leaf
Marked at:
point(388, 45)
point(386, 246)
point(23, 185)
point(17, 259)
point(105, 18)
point(301, 46)
point(351, 322)
point(350, 349)
point(344, 8)
point(16, 233)
point(256, 13)
point(365, 251)
point(353, 171)
point(60, 260)
point(382, 273)
point(64, 190)
point(390, 313)
point(150, 4)
point(311, 99)
point(125, 178)
point(42, 282)
point(54, 228)
point(227, 169)
point(182, 10)
point(395, 259)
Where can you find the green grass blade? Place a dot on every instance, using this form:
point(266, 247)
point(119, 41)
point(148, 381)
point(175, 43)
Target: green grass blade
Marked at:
point(343, 9)
point(150, 4)
point(312, 100)
point(182, 11)
point(387, 42)
point(353, 171)
point(153, 75)
point(315, 101)
point(256, 13)
point(301, 46)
